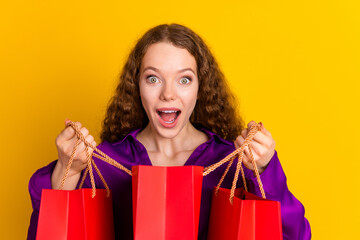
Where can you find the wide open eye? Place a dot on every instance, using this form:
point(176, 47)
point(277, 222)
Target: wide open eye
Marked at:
point(185, 80)
point(152, 79)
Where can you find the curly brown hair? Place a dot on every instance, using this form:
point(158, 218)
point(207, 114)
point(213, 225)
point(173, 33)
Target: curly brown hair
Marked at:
point(216, 106)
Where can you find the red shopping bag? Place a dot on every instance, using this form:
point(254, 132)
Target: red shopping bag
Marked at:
point(237, 214)
point(248, 218)
point(166, 202)
point(75, 215)
point(83, 214)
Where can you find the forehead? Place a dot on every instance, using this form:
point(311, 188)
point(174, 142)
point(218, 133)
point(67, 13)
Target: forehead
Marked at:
point(165, 56)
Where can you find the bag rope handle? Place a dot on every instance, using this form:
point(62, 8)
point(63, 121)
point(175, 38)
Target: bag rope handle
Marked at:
point(229, 158)
point(90, 162)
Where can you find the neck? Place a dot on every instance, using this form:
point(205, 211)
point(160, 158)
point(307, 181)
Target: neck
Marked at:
point(154, 142)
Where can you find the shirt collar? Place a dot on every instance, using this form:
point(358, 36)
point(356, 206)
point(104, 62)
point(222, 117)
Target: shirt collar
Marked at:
point(215, 136)
point(212, 136)
point(131, 134)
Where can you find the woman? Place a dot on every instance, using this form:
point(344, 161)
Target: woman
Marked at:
point(172, 107)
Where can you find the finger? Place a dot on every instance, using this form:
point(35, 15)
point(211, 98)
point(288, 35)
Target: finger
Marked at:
point(71, 142)
point(78, 124)
point(89, 139)
point(242, 138)
point(250, 124)
point(264, 130)
point(263, 139)
point(247, 159)
point(83, 146)
point(258, 137)
point(80, 150)
point(257, 148)
point(84, 131)
point(239, 141)
point(236, 144)
point(86, 153)
point(84, 156)
point(244, 133)
point(246, 156)
point(67, 121)
point(68, 133)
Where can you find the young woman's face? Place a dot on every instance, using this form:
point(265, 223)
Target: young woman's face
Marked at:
point(168, 87)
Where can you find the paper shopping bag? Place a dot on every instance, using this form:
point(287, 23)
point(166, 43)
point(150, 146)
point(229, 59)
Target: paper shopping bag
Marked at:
point(75, 215)
point(249, 217)
point(166, 202)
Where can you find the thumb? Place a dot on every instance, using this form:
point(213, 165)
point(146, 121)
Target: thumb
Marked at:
point(67, 121)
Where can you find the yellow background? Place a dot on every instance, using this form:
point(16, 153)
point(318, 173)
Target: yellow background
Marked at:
point(294, 65)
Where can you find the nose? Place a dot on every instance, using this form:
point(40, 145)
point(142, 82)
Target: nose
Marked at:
point(168, 92)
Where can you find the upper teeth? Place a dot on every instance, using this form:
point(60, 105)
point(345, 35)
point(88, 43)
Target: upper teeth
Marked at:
point(170, 111)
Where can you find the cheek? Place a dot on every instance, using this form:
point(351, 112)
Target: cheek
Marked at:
point(148, 97)
point(190, 98)
point(144, 97)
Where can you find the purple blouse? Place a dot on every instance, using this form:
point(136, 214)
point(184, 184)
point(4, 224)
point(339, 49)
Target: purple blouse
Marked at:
point(130, 152)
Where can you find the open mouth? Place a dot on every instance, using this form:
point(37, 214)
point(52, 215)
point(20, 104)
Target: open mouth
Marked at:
point(168, 116)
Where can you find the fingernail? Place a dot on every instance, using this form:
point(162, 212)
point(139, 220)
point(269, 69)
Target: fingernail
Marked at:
point(261, 125)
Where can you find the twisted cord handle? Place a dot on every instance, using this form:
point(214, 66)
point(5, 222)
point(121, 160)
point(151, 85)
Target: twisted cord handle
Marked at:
point(102, 155)
point(88, 169)
point(90, 162)
point(230, 158)
point(253, 130)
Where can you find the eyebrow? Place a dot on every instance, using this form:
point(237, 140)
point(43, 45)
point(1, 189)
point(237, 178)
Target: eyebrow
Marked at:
point(157, 70)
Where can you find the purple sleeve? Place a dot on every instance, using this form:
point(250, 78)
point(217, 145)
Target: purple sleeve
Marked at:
point(41, 179)
point(294, 223)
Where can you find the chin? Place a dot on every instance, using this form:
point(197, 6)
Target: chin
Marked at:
point(168, 132)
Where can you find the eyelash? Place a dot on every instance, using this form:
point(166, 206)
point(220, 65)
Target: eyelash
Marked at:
point(190, 79)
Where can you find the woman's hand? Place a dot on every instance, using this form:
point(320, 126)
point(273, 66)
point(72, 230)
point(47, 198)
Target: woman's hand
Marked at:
point(262, 146)
point(65, 143)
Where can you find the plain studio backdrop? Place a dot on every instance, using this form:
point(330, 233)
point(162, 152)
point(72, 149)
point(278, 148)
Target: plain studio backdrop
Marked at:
point(294, 65)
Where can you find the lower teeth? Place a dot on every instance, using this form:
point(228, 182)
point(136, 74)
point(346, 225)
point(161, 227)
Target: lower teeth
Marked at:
point(170, 121)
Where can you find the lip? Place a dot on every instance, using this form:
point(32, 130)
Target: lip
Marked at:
point(166, 124)
point(167, 109)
